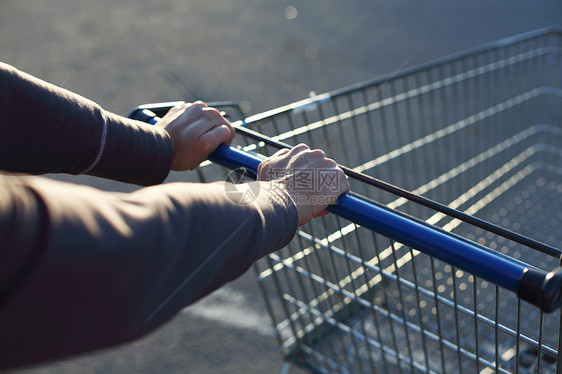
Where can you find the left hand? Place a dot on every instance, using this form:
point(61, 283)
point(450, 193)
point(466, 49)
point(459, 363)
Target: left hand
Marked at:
point(196, 130)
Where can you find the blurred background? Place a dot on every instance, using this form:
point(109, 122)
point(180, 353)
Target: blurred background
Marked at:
point(261, 54)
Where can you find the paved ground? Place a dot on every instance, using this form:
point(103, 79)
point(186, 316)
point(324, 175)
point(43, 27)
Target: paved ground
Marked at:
point(263, 54)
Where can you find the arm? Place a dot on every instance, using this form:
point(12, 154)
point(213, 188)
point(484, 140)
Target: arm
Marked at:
point(48, 129)
point(82, 269)
point(94, 269)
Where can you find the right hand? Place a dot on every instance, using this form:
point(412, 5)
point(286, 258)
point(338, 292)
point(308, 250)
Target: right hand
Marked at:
point(312, 180)
point(196, 130)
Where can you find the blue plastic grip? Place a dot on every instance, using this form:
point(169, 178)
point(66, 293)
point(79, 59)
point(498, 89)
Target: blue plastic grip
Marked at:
point(439, 244)
point(233, 158)
point(478, 260)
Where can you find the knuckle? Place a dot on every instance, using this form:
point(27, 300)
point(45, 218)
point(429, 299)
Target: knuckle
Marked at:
point(332, 163)
point(226, 133)
point(208, 145)
point(213, 111)
point(317, 152)
point(198, 105)
point(300, 147)
point(212, 114)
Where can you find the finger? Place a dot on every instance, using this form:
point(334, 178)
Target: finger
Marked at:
point(199, 103)
point(274, 162)
point(213, 114)
point(319, 152)
point(229, 125)
point(298, 149)
point(174, 112)
point(304, 158)
point(177, 107)
point(218, 116)
point(211, 139)
point(194, 109)
point(225, 121)
point(280, 152)
point(202, 119)
point(316, 154)
point(232, 132)
point(189, 111)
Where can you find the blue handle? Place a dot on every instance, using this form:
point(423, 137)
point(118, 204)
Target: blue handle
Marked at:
point(531, 284)
point(504, 271)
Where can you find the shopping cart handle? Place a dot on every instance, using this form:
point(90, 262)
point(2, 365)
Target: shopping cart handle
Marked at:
point(531, 284)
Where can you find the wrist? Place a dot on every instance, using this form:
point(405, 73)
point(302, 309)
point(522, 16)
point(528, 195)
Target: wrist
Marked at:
point(282, 192)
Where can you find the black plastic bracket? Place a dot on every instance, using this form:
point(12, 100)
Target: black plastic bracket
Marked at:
point(541, 289)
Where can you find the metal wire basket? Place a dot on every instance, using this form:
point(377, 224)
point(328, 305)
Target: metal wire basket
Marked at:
point(478, 133)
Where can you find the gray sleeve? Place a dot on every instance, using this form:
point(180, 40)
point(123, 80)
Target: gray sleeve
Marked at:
point(46, 129)
point(82, 269)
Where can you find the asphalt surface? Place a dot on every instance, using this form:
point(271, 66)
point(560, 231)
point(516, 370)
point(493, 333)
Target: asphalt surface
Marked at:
point(263, 54)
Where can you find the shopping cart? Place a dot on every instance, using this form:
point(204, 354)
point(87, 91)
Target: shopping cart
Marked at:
point(427, 265)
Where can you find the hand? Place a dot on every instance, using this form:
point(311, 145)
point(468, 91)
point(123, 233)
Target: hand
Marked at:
point(196, 131)
point(312, 180)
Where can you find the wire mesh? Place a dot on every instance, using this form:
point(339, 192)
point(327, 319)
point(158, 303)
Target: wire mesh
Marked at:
point(480, 132)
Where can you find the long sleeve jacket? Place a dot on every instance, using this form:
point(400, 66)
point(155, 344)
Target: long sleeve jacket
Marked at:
point(83, 269)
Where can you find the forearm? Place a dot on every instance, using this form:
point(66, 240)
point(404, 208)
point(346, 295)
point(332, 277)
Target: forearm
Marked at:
point(48, 129)
point(116, 266)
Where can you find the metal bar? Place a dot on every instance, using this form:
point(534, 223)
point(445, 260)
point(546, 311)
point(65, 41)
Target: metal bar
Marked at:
point(456, 314)
point(476, 341)
point(437, 316)
point(559, 347)
point(540, 345)
point(518, 337)
point(496, 328)
point(418, 303)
